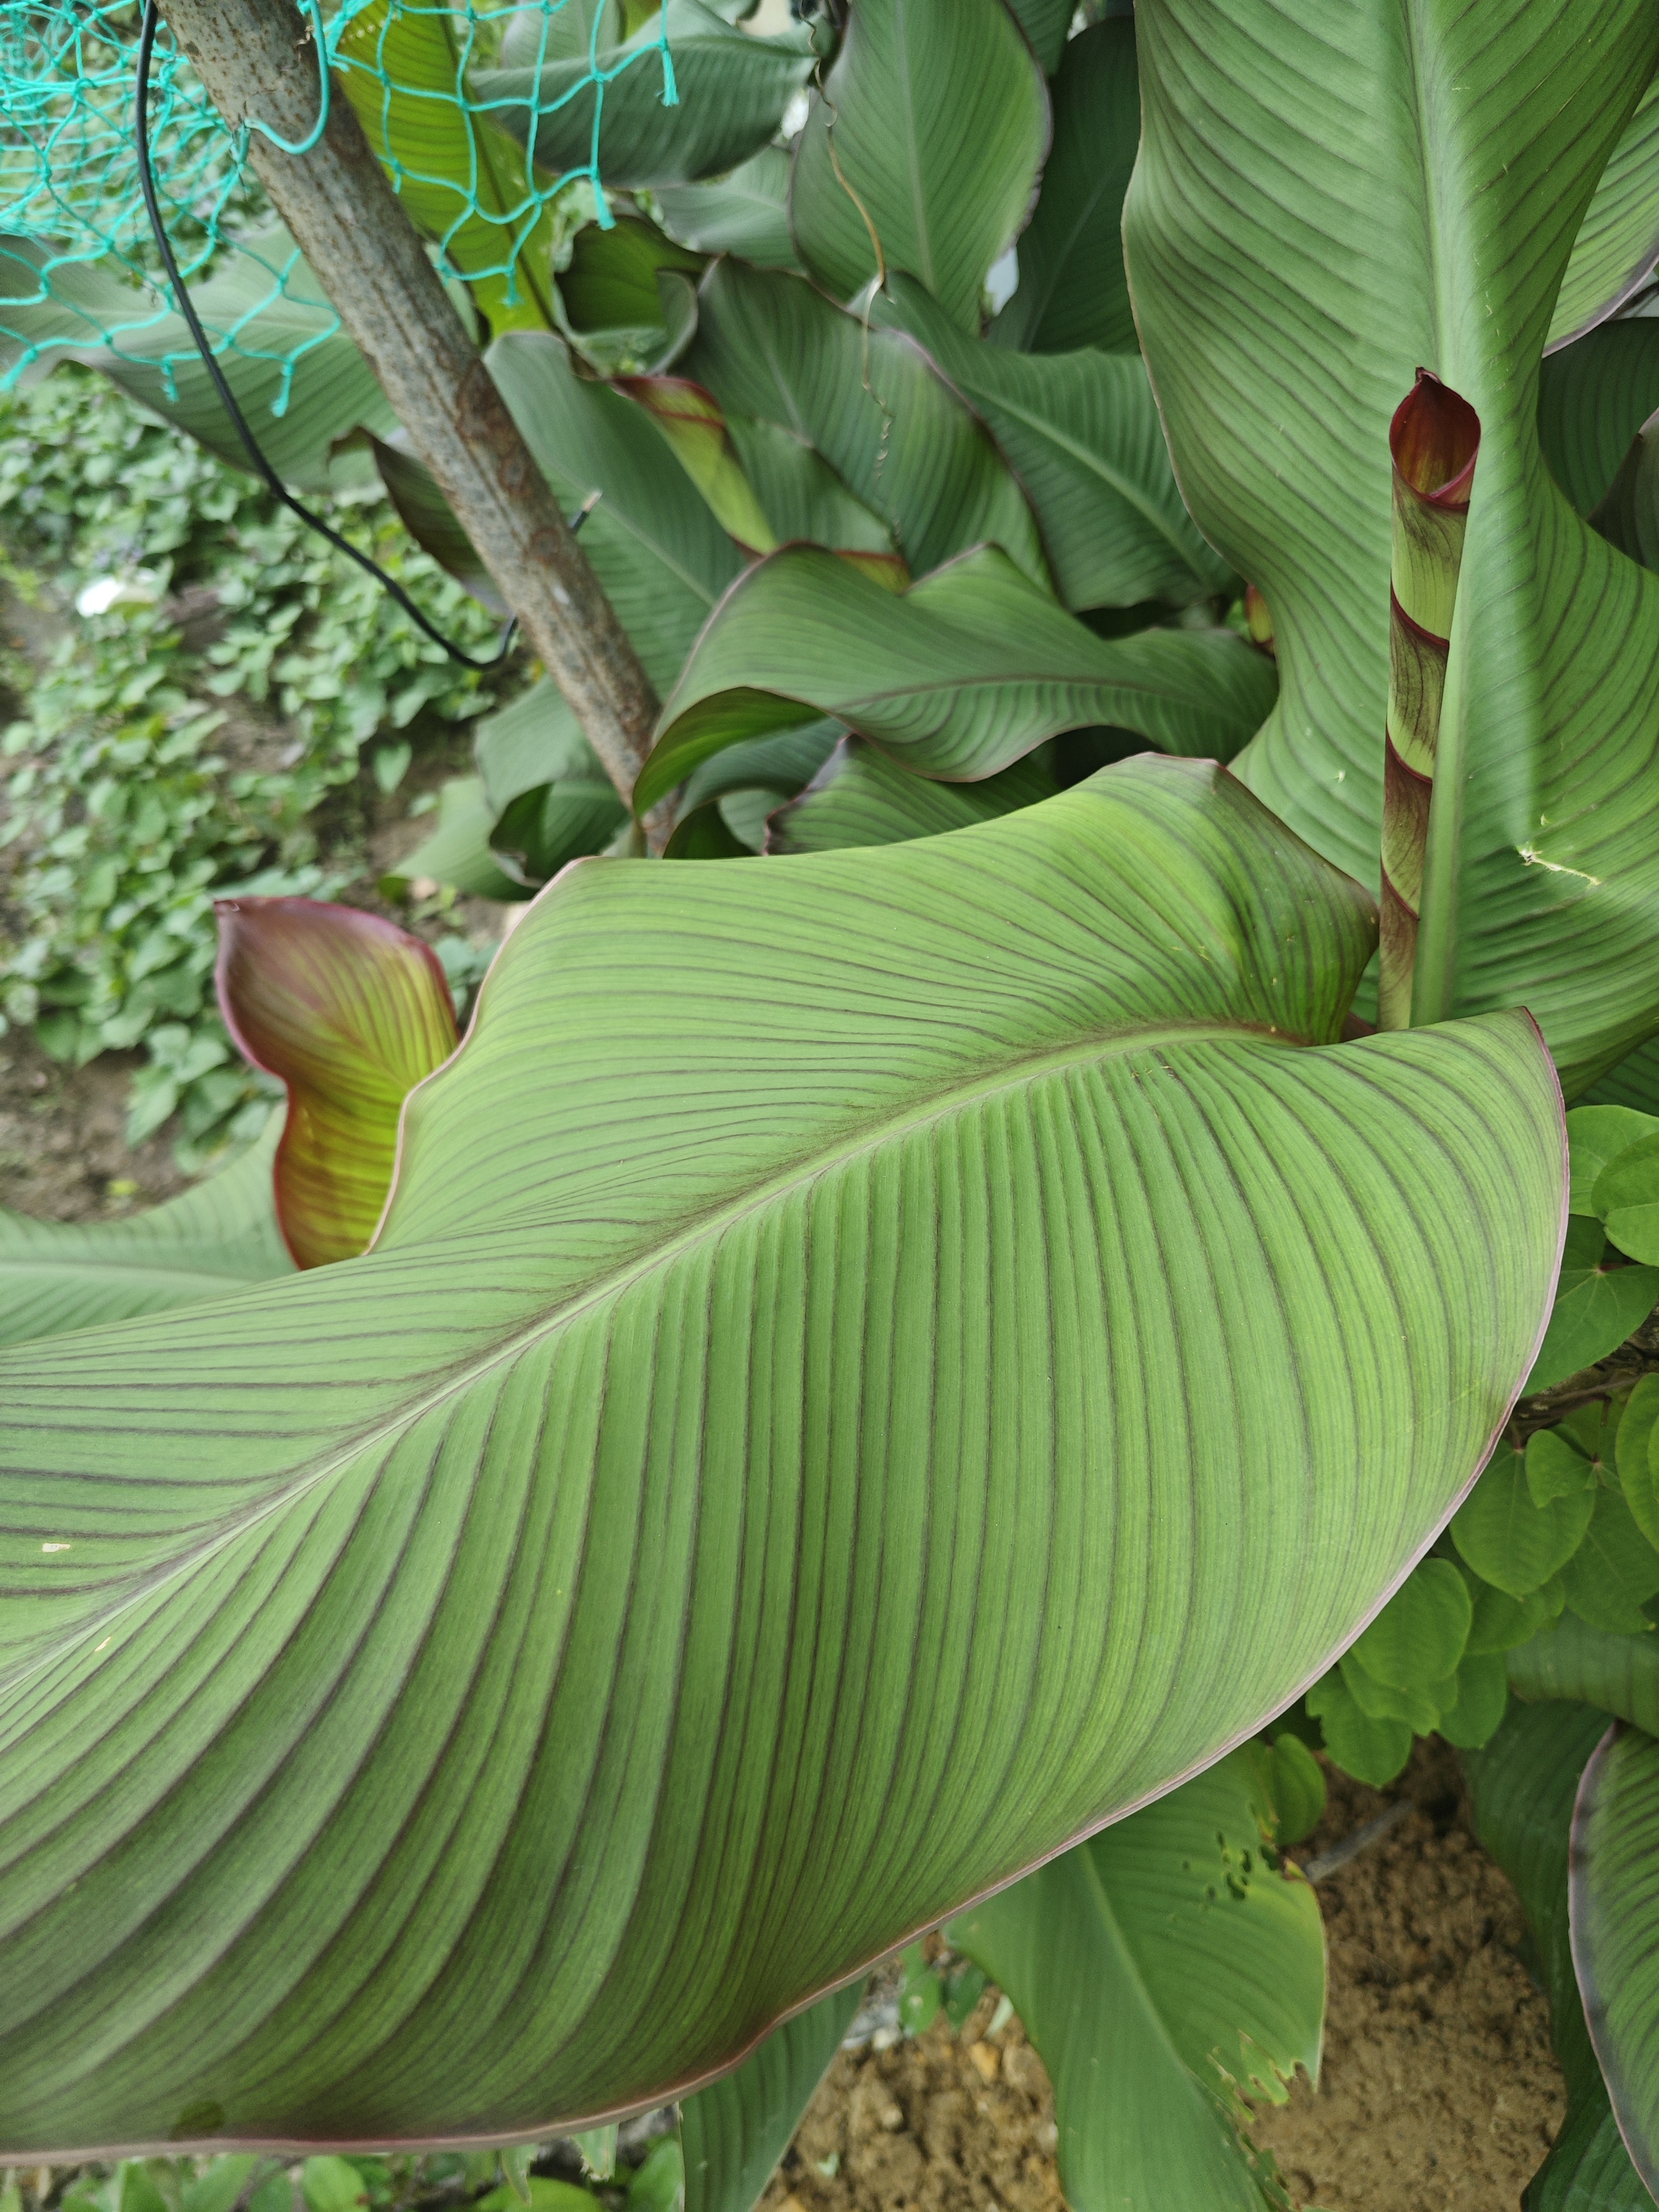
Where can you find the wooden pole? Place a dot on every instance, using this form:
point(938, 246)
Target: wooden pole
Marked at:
point(259, 62)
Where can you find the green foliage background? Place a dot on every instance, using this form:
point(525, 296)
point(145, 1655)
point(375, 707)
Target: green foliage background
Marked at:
point(124, 810)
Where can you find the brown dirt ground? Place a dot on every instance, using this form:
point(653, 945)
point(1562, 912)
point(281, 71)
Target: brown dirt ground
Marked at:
point(1438, 2092)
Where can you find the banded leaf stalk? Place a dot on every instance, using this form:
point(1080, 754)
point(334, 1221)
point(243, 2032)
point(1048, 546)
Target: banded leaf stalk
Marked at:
point(1434, 439)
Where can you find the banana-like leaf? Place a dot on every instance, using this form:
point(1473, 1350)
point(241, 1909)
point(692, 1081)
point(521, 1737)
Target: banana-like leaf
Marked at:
point(1618, 242)
point(780, 765)
point(732, 89)
point(1282, 320)
point(544, 829)
point(1592, 398)
point(286, 350)
point(653, 540)
point(416, 1727)
point(929, 138)
point(804, 499)
point(349, 1012)
point(59, 1275)
point(1081, 432)
point(1628, 516)
point(1617, 1674)
point(1614, 1885)
point(746, 213)
point(610, 282)
point(458, 852)
point(734, 2132)
point(429, 518)
point(461, 178)
point(1165, 1970)
point(860, 797)
point(689, 418)
point(1072, 290)
point(536, 739)
point(1045, 23)
point(958, 676)
point(871, 403)
point(1523, 1785)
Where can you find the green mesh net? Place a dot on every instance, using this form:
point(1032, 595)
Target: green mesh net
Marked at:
point(482, 117)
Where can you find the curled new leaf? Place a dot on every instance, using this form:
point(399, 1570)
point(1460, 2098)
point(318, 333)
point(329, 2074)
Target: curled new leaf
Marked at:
point(1434, 439)
point(350, 1012)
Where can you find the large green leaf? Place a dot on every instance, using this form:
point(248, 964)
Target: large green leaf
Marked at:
point(850, 1394)
point(1618, 1674)
point(1592, 399)
point(733, 90)
point(1082, 434)
point(461, 178)
point(297, 377)
point(871, 405)
point(1072, 290)
point(930, 132)
point(1165, 1970)
point(653, 541)
point(860, 797)
point(746, 213)
point(59, 1275)
point(1523, 1785)
point(959, 676)
point(1325, 202)
point(1618, 242)
point(1614, 1878)
point(734, 2133)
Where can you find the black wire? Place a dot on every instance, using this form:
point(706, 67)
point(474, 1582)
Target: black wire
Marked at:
point(227, 398)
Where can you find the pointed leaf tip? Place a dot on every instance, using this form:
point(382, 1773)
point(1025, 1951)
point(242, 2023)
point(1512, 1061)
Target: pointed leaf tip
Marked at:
point(349, 1012)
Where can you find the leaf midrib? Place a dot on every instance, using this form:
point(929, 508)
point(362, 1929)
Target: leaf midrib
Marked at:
point(713, 1221)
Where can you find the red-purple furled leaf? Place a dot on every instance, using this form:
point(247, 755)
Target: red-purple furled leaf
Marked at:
point(350, 1012)
point(1434, 439)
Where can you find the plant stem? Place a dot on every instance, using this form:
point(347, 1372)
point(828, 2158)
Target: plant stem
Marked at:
point(258, 62)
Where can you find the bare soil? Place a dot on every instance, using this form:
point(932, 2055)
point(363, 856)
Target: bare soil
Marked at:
point(1438, 2092)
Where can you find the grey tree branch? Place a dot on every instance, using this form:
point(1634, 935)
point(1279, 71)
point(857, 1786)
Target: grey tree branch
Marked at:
point(257, 59)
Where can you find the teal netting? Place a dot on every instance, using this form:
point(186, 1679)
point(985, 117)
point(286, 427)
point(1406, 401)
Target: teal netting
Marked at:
point(78, 267)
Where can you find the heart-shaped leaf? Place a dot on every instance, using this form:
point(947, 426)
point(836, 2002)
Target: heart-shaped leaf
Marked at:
point(928, 138)
point(1281, 326)
point(959, 676)
point(1595, 1137)
point(609, 109)
point(1081, 432)
point(1522, 1788)
point(1613, 1571)
point(1072, 290)
point(59, 1275)
point(1165, 1970)
point(1626, 1196)
point(416, 1728)
point(1418, 1637)
point(1614, 1888)
point(350, 1012)
point(1596, 1306)
point(1510, 1540)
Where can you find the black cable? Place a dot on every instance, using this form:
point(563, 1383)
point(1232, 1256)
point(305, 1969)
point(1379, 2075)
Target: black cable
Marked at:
point(273, 481)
